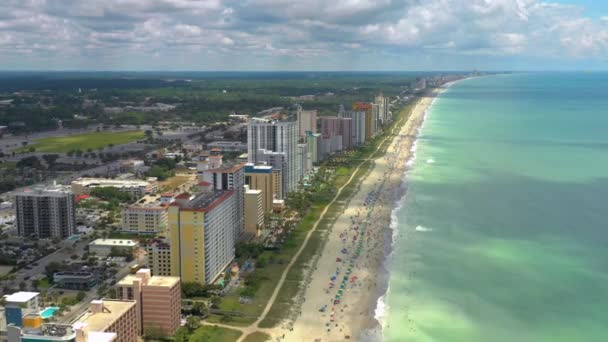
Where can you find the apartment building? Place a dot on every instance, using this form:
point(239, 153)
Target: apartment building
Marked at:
point(45, 212)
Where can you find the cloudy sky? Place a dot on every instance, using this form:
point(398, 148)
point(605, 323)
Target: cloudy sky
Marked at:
point(303, 34)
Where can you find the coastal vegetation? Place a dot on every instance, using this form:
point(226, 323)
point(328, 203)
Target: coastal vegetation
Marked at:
point(78, 100)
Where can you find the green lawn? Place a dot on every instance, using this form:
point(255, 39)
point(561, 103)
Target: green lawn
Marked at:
point(44, 284)
point(85, 141)
point(258, 337)
point(214, 334)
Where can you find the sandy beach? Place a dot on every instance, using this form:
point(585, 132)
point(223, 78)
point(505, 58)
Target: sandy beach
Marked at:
point(349, 277)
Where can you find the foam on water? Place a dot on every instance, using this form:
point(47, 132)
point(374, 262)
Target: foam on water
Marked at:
point(382, 308)
point(423, 229)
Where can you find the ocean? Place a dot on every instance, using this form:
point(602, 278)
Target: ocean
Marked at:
point(503, 232)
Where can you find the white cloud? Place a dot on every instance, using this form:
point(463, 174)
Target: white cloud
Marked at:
point(296, 29)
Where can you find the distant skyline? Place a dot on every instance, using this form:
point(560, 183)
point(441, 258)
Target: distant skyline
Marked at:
point(275, 35)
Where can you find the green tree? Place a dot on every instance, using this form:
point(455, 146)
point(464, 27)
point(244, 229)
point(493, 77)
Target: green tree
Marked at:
point(181, 335)
point(193, 323)
point(154, 333)
point(80, 296)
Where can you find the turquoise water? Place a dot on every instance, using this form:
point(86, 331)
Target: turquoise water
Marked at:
point(48, 312)
point(504, 237)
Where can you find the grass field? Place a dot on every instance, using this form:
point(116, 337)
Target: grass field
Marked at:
point(258, 337)
point(85, 141)
point(214, 334)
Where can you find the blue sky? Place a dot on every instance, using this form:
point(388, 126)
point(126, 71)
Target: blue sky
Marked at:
point(304, 35)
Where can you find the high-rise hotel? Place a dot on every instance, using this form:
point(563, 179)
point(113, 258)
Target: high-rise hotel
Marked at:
point(275, 143)
point(202, 230)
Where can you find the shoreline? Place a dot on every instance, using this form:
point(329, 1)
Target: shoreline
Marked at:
point(371, 232)
point(379, 305)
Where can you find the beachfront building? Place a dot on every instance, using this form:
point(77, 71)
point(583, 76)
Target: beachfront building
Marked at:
point(278, 162)
point(202, 234)
point(376, 123)
point(135, 187)
point(260, 177)
point(157, 298)
point(369, 118)
point(230, 178)
point(146, 216)
point(105, 247)
point(313, 141)
point(357, 125)
point(307, 122)
point(303, 160)
point(254, 211)
point(345, 130)
point(45, 213)
point(267, 138)
point(111, 316)
point(383, 106)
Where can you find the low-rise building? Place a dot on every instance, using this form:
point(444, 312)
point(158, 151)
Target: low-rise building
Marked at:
point(137, 188)
point(228, 146)
point(146, 216)
point(20, 304)
point(105, 247)
point(74, 280)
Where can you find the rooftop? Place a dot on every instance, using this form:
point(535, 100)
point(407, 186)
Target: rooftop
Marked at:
point(21, 297)
point(127, 280)
point(163, 281)
point(102, 336)
point(55, 330)
point(112, 311)
point(109, 182)
point(52, 190)
point(253, 191)
point(148, 201)
point(113, 242)
point(204, 201)
point(250, 168)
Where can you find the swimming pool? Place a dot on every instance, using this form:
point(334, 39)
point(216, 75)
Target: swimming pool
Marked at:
point(48, 312)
